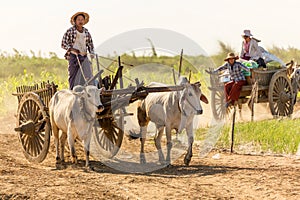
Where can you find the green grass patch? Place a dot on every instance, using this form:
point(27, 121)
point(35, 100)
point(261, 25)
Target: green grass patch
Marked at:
point(276, 136)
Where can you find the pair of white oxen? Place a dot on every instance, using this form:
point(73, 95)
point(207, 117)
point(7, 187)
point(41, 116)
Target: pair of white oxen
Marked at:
point(74, 113)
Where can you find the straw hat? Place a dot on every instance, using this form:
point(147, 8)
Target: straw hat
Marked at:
point(247, 33)
point(231, 55)
point(86, 17)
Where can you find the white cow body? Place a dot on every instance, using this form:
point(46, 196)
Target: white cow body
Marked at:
point(170, 110)
point(74, 113)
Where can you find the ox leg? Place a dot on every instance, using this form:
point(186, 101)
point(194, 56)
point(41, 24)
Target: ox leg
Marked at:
point(87, 142)
point(55, 131)
point(62, 139)
point(143, 140)
point(71, 141)
point(87, 153)
point(169, 144)
point(157, 140)
point(189, 154)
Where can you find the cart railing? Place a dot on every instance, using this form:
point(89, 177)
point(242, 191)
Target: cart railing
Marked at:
point(263, 77)
point(45, 90)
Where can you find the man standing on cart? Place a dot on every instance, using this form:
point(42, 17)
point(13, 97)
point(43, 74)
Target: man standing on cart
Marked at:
point(77, 41)
point(234, 87)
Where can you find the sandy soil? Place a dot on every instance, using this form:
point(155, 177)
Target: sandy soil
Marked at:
point(220, 175)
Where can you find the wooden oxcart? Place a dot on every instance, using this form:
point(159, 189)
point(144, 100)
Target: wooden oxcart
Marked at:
point(273, 86)
point(33, 123)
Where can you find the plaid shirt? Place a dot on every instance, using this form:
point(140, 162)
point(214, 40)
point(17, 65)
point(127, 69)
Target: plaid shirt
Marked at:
point(70, 37)
point(235, 71)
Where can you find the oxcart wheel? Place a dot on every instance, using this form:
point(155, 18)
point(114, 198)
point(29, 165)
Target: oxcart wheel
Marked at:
point(218, 104)
point(33, 127)
point(109, 134)
point(280, 95)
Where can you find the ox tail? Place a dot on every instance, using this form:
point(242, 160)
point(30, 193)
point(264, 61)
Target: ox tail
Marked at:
point(133, 135)
point(52, 103)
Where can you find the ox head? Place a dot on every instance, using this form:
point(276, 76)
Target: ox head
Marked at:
point(91, 96)
point(190, 98)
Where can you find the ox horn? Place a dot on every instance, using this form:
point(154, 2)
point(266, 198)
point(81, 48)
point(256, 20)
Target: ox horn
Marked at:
point(180, 63)
point(190, 76)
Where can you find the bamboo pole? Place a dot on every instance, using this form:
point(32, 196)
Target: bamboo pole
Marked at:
point(174, 78)
point(232, 128)
point(180, 63)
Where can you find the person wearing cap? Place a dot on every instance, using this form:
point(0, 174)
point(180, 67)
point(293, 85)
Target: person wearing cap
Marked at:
point(250, 49)
point(233, 88)
point(77, 41)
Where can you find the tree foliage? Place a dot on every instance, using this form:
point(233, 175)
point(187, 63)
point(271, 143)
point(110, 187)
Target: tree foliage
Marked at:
point(224, 50)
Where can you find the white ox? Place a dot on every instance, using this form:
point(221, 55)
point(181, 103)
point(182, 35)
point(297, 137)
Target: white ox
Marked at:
point(169, 110)
point(74, 112)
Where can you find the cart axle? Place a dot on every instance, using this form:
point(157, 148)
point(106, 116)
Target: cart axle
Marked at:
point(28, 128)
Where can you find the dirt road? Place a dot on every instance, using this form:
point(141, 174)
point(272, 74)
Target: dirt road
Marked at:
point(230, 176)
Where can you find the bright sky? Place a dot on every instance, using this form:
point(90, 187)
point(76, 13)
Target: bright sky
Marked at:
point(39, 25)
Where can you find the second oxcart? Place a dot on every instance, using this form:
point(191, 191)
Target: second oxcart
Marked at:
point(278, 87)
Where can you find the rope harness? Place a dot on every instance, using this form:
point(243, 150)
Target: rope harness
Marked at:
point(81, 69)
point(83, 110)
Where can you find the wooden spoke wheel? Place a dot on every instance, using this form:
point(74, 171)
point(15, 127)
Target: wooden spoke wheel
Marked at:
point(218, 104)
point(280, 95)
point(108, 133)
point(33, 127)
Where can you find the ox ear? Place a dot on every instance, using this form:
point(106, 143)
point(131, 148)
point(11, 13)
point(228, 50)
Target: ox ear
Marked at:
point(203, 98)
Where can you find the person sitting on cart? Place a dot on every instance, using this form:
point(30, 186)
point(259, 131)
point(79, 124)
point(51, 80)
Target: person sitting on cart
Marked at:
point(233, 88)
point(77, 41)
point(250, 49)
